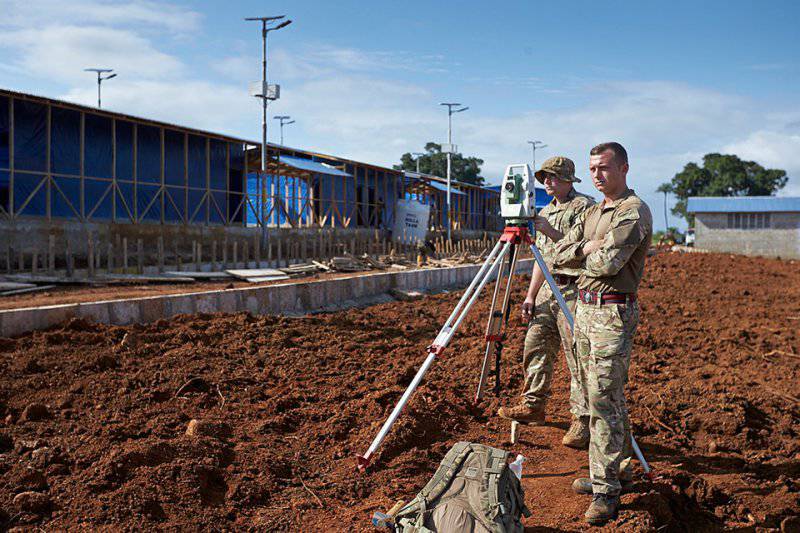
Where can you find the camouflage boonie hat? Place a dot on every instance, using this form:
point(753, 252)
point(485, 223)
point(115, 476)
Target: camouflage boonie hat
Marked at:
point(560, 167)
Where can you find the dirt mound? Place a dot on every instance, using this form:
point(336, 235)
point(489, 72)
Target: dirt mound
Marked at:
point(287, 403)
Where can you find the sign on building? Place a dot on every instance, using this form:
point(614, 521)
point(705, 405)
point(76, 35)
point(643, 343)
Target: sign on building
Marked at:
point(411, 220)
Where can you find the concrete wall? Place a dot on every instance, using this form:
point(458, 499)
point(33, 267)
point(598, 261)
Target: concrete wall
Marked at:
point(781, 240)
point(287, 298)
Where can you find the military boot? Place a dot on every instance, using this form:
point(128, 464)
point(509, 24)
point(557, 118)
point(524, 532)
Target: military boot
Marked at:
point(604, 507)
point(583, 485)
point(524, 414)
point(578, 434)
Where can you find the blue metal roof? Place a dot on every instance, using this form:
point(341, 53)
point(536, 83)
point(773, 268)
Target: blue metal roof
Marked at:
point(743, 204)
point(312, 166)
point(443, 187)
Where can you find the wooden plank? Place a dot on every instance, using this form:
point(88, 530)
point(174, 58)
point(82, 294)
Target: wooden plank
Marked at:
point(37, 288)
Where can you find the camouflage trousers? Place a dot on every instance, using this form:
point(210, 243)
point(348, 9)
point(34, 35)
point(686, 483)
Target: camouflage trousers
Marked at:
point(548, 330)
point(603, 339)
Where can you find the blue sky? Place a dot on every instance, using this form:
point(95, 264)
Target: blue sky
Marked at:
point(670, 80)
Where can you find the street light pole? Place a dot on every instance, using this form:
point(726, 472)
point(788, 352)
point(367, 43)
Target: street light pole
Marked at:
point(265, 28)
point(450, 113)
point(418, 154)
point(100, 79)
point(284, 121)
point(534, 146)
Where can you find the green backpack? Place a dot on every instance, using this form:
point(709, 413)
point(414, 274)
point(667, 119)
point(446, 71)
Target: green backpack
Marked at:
point(472, 490)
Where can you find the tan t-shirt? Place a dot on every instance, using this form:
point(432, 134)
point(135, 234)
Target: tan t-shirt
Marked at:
point(626, 228)
point(562, 216)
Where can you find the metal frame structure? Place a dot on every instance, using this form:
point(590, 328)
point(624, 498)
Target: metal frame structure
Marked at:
point(90, 165)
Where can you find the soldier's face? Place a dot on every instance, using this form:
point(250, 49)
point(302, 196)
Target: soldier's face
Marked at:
point(556, 187)
point(608, 176)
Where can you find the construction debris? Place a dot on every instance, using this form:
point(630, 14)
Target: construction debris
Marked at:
point(258, 275)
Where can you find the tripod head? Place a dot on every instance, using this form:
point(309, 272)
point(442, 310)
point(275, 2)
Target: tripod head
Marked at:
point(517, 195)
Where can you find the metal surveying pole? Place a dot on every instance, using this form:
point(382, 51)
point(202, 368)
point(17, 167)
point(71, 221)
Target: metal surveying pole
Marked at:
point(101, 79)
point(264, 95)
point(450, 149)
point(534, 146)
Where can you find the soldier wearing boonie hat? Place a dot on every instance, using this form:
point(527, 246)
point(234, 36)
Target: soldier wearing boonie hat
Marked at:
point(559, 167)
point(548, 328)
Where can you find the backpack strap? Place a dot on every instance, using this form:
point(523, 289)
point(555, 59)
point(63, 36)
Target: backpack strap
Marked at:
point(497, 461)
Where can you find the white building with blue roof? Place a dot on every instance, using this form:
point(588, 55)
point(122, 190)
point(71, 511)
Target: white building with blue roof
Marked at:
point(749, 225)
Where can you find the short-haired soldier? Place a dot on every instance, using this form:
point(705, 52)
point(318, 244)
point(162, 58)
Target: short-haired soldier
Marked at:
point(548, 328)
point(610, 246)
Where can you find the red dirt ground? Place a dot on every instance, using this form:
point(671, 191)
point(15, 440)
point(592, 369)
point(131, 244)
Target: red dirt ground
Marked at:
point(290, 401)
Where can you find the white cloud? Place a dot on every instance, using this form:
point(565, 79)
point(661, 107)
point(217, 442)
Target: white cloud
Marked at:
point(772, 149)
point(197, 104)
point(62, 52)
point(152, 15)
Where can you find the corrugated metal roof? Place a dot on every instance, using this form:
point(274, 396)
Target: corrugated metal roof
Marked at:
point(253, 145)
point(312, 166)
point(743, 204)
point(439, 186)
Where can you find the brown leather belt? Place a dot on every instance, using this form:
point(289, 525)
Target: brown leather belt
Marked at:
point(561, 279)
point(592, 297)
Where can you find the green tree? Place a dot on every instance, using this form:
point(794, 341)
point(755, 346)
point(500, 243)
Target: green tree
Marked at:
point(463, 169)
point(722, 175)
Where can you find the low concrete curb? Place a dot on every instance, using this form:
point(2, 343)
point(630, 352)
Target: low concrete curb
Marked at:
point(285, 298)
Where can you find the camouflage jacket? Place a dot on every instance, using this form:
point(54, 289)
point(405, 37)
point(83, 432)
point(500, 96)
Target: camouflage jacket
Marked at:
point(562, 216)
point(626, 228)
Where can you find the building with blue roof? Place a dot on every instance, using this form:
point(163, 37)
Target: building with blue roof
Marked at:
point(81, 180)
point(750, 225)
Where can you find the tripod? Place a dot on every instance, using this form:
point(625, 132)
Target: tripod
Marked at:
point(506, 249)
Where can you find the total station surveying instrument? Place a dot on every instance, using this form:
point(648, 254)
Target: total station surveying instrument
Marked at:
point(517, 207)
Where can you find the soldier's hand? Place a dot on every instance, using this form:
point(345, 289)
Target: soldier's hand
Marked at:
point(591, 246)
point(543, 225)
point(527, 309)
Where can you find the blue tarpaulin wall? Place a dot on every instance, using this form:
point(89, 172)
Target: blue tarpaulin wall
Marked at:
point(202, 176)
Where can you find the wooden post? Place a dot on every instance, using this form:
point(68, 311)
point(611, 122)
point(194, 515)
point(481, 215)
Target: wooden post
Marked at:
point(303, 250)
point(118, 249)
point(51, 254)
point(125, 255)
point(160, 252)
point(225, 253)
point(257, 250)
point(21, 260)
point(69, 258)
point(280, 256)
point(110, 258)
point(269, 253)
point(90, 257)
point(199, 264)
point(8, 258)
point(235, 254)
point(246, 253)
point(34, 260)
point(139, 257)
point(177, 255)
point(214, 256)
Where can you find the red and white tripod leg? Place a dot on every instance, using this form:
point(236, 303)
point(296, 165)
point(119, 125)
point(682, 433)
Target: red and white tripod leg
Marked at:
point(438, 346)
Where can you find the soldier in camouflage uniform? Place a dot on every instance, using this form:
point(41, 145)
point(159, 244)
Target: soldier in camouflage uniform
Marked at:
point(549, 328)
point(610, 245)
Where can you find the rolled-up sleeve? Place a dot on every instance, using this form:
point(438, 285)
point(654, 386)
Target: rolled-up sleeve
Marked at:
point(619, 244)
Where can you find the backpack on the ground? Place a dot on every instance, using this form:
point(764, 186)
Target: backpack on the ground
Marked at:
point(473, 490)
